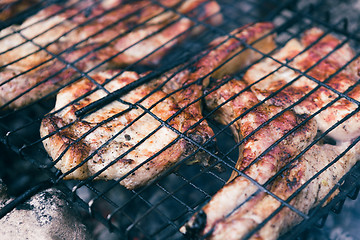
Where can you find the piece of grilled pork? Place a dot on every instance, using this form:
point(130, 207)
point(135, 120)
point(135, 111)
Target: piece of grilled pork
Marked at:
point(337, 160)
point(117, 33)
point(326, 59)
point(262, 152)
point(128, 141)
point(69, 149)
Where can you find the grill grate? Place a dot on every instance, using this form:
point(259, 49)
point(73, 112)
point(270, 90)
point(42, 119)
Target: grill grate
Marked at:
point(163, 206)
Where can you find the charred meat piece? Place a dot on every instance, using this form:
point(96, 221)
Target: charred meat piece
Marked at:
point(256, 210)
point(260, 155)
point(324, 59)
point(121, 33)
point(122, 143)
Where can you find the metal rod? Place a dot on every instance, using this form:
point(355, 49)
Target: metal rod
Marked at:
point(25, 196)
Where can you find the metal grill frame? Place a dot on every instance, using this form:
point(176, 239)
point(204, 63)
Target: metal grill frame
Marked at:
point(296, 16)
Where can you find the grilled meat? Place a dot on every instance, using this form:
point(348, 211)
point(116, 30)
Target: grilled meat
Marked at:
point(261, 156)
point(325, 60)
point(122, 33)
point(123, 143)
point(108, 22)
point(78, 141)
point(252, 213)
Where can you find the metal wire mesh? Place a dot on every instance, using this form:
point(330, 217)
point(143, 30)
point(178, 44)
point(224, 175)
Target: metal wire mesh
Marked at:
point(163, 206)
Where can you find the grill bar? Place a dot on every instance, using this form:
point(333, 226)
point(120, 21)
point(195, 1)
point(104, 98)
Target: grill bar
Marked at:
point(17, 201)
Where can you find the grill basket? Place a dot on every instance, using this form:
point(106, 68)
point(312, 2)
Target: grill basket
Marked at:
point(159, 209)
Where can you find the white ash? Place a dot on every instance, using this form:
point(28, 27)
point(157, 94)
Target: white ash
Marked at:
point(47, 215)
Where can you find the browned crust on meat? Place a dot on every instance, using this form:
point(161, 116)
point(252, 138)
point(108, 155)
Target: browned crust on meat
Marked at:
point(232, 109)
point(39, 82)
point(64, 142)
point(288, 183)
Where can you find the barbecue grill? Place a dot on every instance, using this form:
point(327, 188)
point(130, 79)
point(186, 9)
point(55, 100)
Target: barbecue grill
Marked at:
point(159, 209)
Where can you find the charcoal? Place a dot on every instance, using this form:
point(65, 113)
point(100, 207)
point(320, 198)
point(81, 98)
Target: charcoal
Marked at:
point(3, 193)
point(47, 215)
